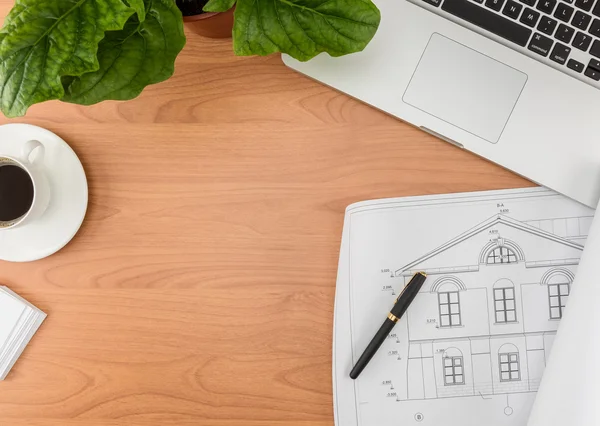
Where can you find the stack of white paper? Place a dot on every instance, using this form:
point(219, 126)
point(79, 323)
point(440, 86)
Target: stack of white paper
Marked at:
point(19, 320)
point(570, 391)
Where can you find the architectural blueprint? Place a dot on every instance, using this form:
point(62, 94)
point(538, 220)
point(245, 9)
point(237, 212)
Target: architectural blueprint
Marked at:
point(473, 346)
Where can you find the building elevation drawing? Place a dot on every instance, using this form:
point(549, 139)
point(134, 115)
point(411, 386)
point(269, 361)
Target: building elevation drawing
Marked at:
point(476, 328)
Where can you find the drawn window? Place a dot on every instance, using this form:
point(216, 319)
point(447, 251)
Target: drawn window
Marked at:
point(501, 255)
point(509, 367)
point(453, 370)
point(449, 305)
point(504, 305)
point(559, 287)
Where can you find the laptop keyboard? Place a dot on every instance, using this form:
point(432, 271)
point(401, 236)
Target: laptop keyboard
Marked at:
point(564, 34)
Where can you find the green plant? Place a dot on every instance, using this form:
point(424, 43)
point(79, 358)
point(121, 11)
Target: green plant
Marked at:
point(300, 28)
point(87, 51)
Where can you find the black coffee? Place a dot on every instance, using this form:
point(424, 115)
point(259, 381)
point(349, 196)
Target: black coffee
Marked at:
point(16, 192)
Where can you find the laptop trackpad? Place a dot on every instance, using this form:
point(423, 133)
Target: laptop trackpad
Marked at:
point(465, 88)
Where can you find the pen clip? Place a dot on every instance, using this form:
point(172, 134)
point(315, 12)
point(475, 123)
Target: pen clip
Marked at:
point(400, 295)
point(408, 284)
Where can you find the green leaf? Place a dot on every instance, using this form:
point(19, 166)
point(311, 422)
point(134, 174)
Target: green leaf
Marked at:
point(139, 7)
point(142, 53)
point(44, 40)
point(303, 28)
point(218, 5)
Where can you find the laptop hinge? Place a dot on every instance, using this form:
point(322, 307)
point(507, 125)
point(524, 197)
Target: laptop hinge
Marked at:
point(442, 137)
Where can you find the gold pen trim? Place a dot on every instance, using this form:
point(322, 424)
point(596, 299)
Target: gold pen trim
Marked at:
point(392, 317)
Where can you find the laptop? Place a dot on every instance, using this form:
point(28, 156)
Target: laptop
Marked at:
point(514, 81)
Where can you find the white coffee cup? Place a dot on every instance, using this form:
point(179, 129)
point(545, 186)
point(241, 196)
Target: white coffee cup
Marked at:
point(31, 160)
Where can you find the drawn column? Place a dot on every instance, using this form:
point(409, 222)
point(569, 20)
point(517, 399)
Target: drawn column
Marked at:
point(482, 366)
point(416, 386)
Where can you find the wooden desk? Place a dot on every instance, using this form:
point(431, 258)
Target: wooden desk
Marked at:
point(200, 289)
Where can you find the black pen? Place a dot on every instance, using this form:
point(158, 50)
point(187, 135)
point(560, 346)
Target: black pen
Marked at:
point(402, 303)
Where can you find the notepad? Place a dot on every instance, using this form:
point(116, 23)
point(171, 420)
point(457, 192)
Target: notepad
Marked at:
point(473, 346)
point(19, 320)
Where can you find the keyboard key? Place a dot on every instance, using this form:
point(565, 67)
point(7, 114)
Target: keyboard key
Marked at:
point(564, 12)
point(568, 1)
point(490, 21)
point(592, 73)
point(584, 4)
point(564, 33)
point(529, 17)
point(540, 44)
point(494, 4)
point(595, 28)
point(595, 50)
point(582, 41)
point(512, 9)
point(596, 10)
point(478, 1)
point(574, 65)
point(528, 2)
point(435, 3)
point(547, 25)
point(546, 6)
point(594, 63)
point(581, 20)
point(560, 53)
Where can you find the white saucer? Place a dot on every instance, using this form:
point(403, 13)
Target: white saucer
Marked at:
point(68, 200)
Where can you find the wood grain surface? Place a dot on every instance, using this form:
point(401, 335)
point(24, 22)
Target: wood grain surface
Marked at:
point(200, 288)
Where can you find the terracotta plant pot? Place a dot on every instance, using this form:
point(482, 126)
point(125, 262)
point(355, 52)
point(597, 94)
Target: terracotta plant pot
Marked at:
point(212, 25)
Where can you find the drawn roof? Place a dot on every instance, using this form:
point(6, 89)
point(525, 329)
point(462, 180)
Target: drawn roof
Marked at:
point(492, 221)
